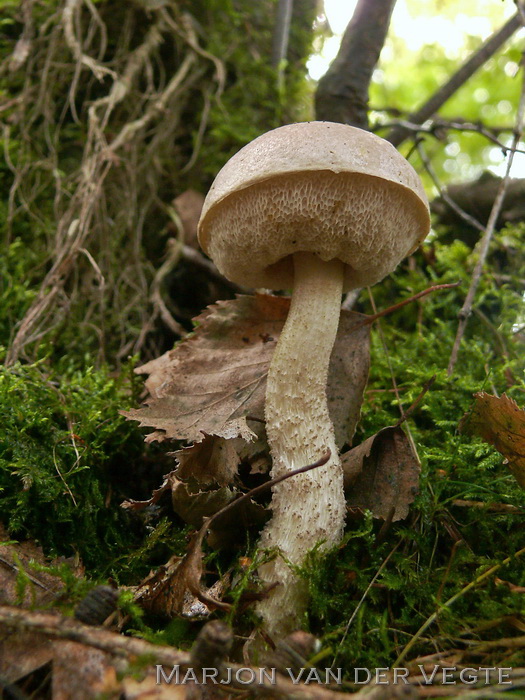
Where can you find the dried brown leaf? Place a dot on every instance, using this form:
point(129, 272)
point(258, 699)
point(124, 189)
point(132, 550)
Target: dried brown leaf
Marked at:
point(193, 507)
point(189, 207)
point(20, 558)
point(22, 652)
point(501, 423)
point(382, 474)
point(212, 381)
point(157, 494)
point(212, 461)
point(166, 591)
point(91, 669)
point(228, 529)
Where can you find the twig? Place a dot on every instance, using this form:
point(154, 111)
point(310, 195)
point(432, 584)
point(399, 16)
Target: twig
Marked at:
point(435, 126)
point(489, 507)
point(16, 568)
point(129, 130)
point(190, 37)
point(174, 254)
point(23, 46)
point(410, 410)
point(200, 134)
point(509, 643)
point(281, 32)
point(123, 83)
point(58, 627)
point(440, 125)
point(379, 314)
point(443, 193)
point(466, 309)
point(398, 134)
point(98, 70)
point(264, 487)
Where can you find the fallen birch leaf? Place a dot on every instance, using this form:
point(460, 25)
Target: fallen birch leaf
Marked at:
point(212, 381)
point(194, 506)
point(91, 668)
point(382, 474)
point(212, 461)
point(24, 652)
point(167, 591)
point(21, 582)
point(168, 480)
point(499, 421)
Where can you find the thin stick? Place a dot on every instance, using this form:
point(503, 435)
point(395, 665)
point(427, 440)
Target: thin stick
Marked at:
point(435, 126)
point(398, 134)
point(442, 191)
point(396, 307)
point(57, 626)
point(263, 487)
point(281, 32)
point(410, 410)
point(466, 309)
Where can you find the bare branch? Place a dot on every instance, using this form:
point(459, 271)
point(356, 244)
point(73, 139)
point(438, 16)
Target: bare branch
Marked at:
point(398, 134)
point(444, 194)
point(437, 127)
point(342, 93)
point(466, 309)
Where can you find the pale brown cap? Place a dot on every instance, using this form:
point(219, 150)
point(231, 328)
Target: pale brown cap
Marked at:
point(327, 188)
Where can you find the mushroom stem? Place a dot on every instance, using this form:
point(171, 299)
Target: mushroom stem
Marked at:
point(311, 507)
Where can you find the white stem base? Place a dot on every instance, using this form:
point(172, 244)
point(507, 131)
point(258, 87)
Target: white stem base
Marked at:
point(310, 507)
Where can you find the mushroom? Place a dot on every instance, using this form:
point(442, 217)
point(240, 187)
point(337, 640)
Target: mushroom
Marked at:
point(321, 208)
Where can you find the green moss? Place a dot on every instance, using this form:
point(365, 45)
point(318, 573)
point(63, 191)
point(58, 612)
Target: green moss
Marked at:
point(443, 546)
point(62, 440)
point(254, 100)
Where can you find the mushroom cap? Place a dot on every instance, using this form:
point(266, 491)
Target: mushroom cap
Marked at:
point(331, 189)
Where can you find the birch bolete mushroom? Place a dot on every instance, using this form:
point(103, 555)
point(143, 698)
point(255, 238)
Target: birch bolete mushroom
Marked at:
point(321, 208)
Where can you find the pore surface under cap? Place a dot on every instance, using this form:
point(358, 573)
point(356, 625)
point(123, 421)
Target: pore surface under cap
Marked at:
point(330, 189)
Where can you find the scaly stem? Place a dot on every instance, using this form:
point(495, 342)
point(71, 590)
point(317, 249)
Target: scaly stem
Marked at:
point(308, 508)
